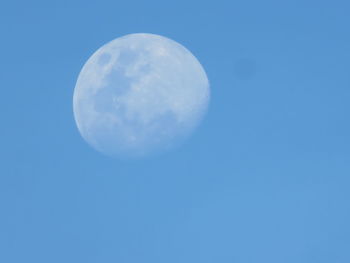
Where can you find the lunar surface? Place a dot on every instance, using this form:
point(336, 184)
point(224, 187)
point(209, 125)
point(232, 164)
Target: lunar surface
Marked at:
point(140, 94)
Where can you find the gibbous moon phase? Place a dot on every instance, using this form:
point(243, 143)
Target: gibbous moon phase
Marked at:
point(139, 94)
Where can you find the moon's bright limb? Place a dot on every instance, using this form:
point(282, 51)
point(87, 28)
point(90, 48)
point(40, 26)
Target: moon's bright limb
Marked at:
point(139, 94)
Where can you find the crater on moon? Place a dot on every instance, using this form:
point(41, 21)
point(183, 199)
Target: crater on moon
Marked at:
point(139, 94)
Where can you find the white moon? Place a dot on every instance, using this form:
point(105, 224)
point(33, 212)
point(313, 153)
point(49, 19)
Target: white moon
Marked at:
point(139, 94)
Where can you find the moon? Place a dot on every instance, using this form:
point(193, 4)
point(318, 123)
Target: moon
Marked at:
point(138, 95)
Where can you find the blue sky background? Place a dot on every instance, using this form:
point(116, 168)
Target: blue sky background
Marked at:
point(264, 179)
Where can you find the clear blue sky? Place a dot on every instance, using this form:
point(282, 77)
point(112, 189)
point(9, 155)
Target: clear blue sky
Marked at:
point(265, 178)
